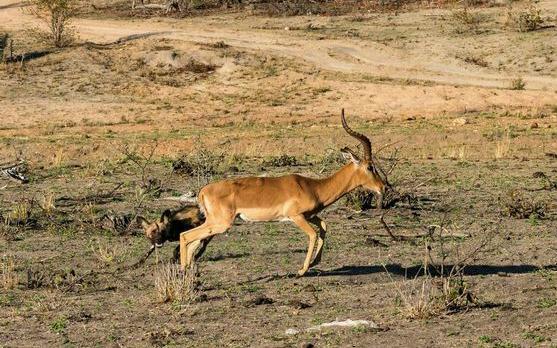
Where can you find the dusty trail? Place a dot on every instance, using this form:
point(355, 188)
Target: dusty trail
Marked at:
point(346, 55)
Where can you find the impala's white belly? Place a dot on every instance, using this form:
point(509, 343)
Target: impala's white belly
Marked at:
point(258, 216)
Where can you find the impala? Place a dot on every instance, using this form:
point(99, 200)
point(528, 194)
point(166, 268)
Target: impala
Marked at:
point(286, 198)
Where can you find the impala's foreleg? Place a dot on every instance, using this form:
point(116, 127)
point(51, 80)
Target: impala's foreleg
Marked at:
point(190, 240)
point(302, 223)
point(320, 239)
point(200, 251)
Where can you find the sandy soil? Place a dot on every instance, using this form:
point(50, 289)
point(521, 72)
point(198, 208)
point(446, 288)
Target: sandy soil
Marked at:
point(249, 89)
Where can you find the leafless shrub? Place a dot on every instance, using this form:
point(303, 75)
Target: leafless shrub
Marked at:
point(36, 278)
point(526, 19)
point(57, 15)
point(9, 279)
point(439, 285)
point(467, 20)
point(143, 160)
point(516, 205)
point(201, 164)
point(173, 286)
point(67, 280)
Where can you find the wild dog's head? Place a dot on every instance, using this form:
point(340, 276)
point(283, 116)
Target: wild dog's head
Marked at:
point(156, 231)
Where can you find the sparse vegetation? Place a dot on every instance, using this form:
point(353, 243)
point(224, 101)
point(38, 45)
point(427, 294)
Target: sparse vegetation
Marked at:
point(9, 279)
point(173, 286)
point(517, 205)
point(524, 20)
point(59, 325)
point(467, 19)
point(57, 16)
point(283, 160)
point(517, 84)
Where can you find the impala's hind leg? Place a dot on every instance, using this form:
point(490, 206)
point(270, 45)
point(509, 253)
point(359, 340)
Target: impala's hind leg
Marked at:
point(320, 239)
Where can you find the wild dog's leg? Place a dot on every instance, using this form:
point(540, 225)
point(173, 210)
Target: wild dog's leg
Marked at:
point(201, 250)
point(176, 254)
point(306, 227)
point(320, 239)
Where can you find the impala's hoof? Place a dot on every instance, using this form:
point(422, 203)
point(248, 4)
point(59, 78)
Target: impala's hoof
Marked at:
point(302, 272)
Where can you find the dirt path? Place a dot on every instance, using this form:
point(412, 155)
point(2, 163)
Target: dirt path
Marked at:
point(346, 55)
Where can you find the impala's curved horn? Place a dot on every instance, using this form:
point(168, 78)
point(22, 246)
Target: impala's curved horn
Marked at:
point(366, 143)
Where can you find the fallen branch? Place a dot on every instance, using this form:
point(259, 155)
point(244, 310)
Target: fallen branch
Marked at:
point(387, 228)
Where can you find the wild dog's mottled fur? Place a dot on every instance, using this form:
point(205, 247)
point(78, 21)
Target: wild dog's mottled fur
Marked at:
point(171, 224)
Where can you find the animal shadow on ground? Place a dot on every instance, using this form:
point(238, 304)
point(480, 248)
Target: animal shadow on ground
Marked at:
point(406, 272)
point(418, 270)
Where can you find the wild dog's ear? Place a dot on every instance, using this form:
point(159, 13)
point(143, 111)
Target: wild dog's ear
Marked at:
point(165, 216)
point(348, 154)
point(141, 220)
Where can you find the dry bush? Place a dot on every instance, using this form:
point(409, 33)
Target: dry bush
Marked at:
point(201, 164)
point(439, 286)
point(517, 84)
point(173, 286)
point(57, 15)
point(283, 160)
point(67, 280)
point(5, 44)
point(526, 19)
point(516, 205)
point(467, 20)
point(9, 279)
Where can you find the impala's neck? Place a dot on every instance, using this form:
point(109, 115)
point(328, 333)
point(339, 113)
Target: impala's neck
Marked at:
point(330, 189)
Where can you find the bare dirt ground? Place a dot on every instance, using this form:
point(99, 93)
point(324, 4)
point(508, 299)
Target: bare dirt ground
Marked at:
point(253, 89)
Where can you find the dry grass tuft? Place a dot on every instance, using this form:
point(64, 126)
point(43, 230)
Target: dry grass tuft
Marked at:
point(46, 202)
point(109, 252)
point(517, 84)
point(9, 279)
point(503, 147)
point(516, 205)
point(173, 286)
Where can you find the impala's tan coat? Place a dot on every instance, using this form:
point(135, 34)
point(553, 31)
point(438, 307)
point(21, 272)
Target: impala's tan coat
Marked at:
point(290, 197)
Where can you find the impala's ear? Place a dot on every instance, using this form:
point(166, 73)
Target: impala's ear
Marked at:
point(141, 220)
point(165, 216)
point(348, 154)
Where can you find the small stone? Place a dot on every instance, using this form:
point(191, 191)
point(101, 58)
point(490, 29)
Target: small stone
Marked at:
point(534, 125)
point(461, 121)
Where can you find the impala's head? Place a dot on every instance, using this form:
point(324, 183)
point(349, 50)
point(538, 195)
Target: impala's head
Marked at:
point(366, 171)
point(156, 231)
